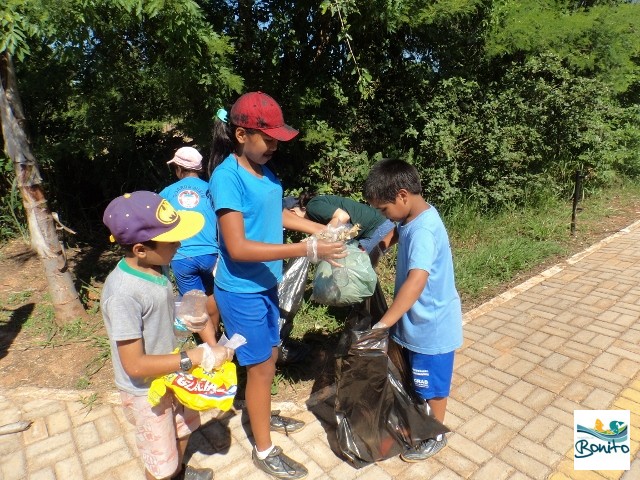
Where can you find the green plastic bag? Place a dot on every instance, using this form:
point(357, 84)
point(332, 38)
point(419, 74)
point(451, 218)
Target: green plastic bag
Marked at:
point(352, 285)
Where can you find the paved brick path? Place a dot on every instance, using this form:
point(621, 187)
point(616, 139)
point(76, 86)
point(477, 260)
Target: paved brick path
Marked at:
point(565, 340)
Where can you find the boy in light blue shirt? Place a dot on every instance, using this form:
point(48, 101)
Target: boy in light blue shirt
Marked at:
point(425, 317)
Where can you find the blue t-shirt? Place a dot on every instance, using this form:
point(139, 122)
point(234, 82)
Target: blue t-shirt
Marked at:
point(433, 325)
point(259, 199)
point(190, 193)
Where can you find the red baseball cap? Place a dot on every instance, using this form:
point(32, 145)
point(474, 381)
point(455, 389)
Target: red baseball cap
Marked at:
point(258, 111)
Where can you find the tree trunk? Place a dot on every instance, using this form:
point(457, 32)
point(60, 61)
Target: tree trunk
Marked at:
point(42, 229)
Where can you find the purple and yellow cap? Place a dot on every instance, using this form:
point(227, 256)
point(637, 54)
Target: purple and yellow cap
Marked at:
point(140, 216)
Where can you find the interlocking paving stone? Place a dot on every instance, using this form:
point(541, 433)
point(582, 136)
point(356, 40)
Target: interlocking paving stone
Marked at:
point(566, 339)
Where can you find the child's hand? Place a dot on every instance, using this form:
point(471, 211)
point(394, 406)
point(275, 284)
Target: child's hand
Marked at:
point(214, 357)
point(331, 251)
point(195, 324)
point(195, 355)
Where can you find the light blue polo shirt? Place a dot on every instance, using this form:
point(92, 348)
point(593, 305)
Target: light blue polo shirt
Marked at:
point(433, 325)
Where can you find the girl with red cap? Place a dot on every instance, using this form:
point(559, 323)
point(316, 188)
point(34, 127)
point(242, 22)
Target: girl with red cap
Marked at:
point(247, 199)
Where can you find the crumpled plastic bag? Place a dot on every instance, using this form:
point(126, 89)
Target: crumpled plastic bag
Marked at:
point(198, 389)
point(360, 279)
point(376, 417)
point(291, 292)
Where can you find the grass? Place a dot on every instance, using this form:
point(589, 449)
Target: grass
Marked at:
point(42, 327)
point(491, 251)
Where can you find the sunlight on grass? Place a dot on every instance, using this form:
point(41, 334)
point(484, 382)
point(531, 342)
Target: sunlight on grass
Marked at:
point(490, 250)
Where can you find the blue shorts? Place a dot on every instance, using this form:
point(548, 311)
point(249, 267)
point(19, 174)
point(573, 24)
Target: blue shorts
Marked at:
point(254, 316)
point(194, 273)
point(370, 243)
point(431, 374)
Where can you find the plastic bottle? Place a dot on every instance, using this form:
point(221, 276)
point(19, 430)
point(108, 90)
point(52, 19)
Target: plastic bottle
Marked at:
point(180, 330)
point(193, 304)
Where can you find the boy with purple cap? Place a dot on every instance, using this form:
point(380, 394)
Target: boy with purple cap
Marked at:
point(196, 258)
point(137, 307)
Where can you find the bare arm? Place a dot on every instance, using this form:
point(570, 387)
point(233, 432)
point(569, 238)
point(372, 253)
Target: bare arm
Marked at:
point(407, 295)
point(137, 364)
point(291, 221)
point(339, 217)
point(241, 249)
point(389, 239)
point(208, 334)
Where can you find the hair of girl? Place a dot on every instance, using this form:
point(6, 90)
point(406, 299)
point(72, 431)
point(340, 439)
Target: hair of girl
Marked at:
point(223, 142)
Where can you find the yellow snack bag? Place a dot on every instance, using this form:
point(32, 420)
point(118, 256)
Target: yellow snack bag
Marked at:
point(198, 389)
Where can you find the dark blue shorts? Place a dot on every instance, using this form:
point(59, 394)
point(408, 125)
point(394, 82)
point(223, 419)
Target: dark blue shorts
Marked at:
point(431, 374)
point(194, 273)
point(254, 316)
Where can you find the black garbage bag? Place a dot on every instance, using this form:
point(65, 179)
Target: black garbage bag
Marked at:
point(376, 417)
point(290, 295)
point(376, 305)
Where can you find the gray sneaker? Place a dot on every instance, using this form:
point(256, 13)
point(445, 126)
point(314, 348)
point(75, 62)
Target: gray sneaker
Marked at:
point(279, 465)
point(424, 450)
point(192, 473)
point(287, 425)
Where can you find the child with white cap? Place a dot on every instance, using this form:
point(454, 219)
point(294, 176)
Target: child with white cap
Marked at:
point(196, 258)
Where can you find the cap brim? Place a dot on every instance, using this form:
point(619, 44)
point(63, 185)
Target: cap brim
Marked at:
point(177, 161)
point(283, 134)
point(190, 224)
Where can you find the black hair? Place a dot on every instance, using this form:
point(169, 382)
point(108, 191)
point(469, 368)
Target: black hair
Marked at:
point(128, 248)
point(185, 169)
point(223, 142)
point(304, 198)
point(388, 177)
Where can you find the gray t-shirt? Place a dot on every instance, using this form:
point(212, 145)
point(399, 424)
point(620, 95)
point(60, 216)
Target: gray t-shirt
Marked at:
point(136, 305)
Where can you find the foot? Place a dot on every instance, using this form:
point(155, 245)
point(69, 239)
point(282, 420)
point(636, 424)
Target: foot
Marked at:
point(279, 465)
point(287, 425)
point(192, 473)
point(424, 450)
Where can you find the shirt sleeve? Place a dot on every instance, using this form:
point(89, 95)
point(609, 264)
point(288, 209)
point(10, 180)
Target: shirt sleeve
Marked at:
point(125, 317)
point(226, 190)
point(422, 250)
point(320, 210)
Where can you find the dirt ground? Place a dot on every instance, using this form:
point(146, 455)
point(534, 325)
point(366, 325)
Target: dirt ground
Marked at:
point(32, 355)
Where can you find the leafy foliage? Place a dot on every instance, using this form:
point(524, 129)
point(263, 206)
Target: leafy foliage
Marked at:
point(499, 101)
point(112, 88)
